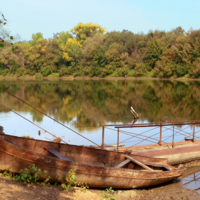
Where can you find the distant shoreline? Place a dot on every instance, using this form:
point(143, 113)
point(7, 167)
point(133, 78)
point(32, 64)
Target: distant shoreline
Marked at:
point(98, 78)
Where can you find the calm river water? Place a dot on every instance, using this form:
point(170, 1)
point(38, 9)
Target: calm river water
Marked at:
point(84, 105)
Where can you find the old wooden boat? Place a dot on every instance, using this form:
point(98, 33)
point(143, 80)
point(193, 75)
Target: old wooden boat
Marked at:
point(96, 167)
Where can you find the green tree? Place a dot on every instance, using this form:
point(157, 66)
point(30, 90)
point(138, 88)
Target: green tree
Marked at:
point(41, 52)
point(94, 52)
point(154, 52)
point(113, 54)
point(5, 37)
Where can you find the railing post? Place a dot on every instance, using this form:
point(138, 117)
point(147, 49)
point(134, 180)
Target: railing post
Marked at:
point(160, 135)
point(193, 132)
point(118, 139)
point(102, 146)
point(173, 138)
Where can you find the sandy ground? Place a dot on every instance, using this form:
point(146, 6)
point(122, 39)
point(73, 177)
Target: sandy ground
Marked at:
point(12, 190)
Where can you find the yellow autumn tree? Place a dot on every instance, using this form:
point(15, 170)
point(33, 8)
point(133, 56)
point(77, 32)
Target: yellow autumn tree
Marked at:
point(82, 31)
point(71, 51)
point(61, 38)
point(34, 50)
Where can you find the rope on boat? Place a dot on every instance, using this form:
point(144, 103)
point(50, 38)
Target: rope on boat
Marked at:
point(31, 122)
point(49, 117)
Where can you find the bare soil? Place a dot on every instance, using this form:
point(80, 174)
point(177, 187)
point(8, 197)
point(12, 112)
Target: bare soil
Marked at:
point(12, 190)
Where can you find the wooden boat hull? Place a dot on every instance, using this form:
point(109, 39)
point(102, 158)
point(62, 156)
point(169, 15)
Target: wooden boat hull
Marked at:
point(15, 156)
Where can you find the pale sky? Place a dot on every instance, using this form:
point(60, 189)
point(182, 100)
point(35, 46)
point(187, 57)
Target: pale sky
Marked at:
point(26, 17)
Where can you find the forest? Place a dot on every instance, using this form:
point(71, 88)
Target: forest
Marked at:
point(88, 50)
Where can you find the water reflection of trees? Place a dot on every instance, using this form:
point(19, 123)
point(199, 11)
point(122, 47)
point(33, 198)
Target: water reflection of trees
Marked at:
point(91, 103)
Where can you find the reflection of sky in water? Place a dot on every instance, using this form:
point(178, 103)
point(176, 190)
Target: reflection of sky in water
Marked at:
point(15, 125)
point(192, 181)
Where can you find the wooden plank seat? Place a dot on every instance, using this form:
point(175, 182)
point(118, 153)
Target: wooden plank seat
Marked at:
point(129, 159)
point(168, 167)
point(122, 163)
point(139, 163)
point(57, 154)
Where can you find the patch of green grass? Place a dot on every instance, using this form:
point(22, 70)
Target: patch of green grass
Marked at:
point(31, 175)
point(69, 182)
point(6, 173)
point(54, 75)
point(148, 74)
point(109, 194)
point(131, 72)
point(38, 75)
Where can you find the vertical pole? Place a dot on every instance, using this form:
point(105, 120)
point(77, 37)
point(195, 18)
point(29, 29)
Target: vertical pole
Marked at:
point(160, 135)
point(102, 146)
point(118, 139)
point(173, 138)
point(193, 132)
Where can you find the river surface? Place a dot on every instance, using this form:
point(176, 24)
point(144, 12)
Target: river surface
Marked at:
point(191, 179)
point(84, 105)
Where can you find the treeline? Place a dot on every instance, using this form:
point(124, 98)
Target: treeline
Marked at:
point(88, 50)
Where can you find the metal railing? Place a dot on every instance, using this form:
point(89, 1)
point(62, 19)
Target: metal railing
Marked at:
point(148, 133)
